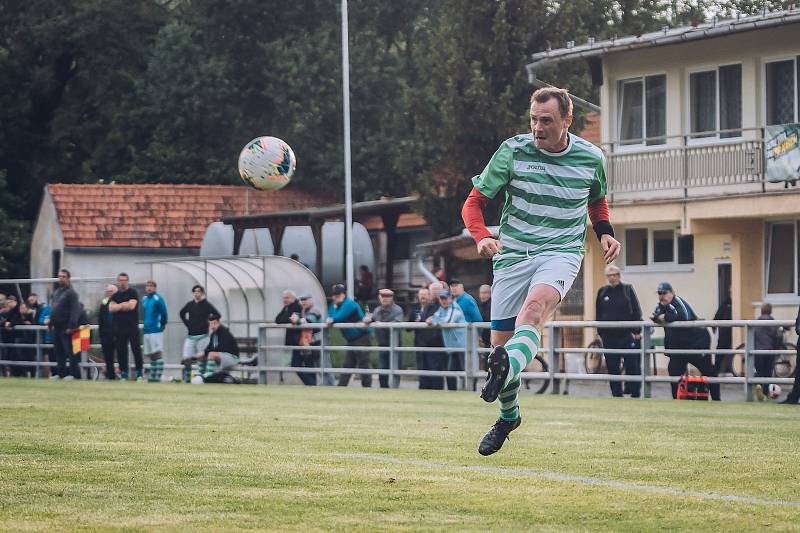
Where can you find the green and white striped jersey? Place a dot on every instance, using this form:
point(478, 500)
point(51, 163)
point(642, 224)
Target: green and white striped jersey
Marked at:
point(546, 195)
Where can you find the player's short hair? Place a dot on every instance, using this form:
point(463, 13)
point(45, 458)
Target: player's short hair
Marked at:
point(612, 269)
point(151, 282)
point(561, 95)
point(65, 271)
point(766, 309)
point(198, 287)
point(123, 274)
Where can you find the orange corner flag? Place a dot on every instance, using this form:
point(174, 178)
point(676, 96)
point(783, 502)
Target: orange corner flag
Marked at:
point(80, 339)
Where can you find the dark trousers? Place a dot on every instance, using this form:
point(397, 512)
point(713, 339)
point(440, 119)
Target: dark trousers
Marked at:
point(723, 362)
point(62, 344)
point(303, 358)
point(794, 395)
point(677, 367)
point(431, 361)
point(455, 363)
point(764, 365)
point(109, 350)
point(121, 341)
point(357, 360)
point(632, 362)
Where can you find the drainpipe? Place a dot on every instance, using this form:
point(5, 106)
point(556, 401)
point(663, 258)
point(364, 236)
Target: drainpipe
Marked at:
point(425, 272)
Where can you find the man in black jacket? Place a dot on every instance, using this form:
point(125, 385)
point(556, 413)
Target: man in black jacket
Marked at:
point(124, 305)
point(617, 302)
point(104, 319)
point(671, 308)
point(194, 316)
point(292, 308)
point(222, 349)
point(65, 312)
point(432, 338)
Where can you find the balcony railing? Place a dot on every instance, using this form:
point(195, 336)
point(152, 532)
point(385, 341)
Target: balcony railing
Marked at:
point(683, 166)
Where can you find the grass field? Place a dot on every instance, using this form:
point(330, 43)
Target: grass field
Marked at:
point(95, 456)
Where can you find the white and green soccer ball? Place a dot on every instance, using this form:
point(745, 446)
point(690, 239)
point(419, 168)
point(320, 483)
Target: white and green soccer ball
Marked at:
point(267, 163)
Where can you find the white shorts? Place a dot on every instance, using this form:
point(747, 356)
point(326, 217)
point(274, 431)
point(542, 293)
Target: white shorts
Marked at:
point(193, 345)
point(153, 343)
point(227, 360)
point(512, 284)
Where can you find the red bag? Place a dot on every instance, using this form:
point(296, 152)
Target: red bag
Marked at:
point(693, 388)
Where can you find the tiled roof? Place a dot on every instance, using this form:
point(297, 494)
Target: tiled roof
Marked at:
point(160, 216)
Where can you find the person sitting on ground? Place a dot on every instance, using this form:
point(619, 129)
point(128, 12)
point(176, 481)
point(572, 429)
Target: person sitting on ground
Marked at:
point(222, 350)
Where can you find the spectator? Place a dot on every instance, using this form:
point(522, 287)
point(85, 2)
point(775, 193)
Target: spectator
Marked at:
point(485, 307)
point(27, 317)
point(439, 275)
point(311, 315)
point(124, 305)
point(44, 320)
point(345, 310)
point(106, 331)
point(34, 306)
point(724, 362)
point(65, 312)
point(155, 320)
point(672, 308)
point(221, 350)
point(416, 313)
point(9, 318)
point(617, 302)
point(435, 360)
point(194, 316)
point(465, 301)
point(366, 284)
point(291, 310)
point(766, 338)
point(450, 313)
point(794, 394)
point(387, 311)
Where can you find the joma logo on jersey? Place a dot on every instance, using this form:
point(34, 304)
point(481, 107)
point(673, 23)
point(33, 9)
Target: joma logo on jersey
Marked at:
point(535, 167)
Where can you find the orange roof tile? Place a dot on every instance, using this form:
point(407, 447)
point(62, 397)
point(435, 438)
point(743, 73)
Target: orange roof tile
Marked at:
point(160, 216)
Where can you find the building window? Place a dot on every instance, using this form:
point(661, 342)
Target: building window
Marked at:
point(402, 246)
point(715, 102)
point(636, 247)
point(781, 91)
point(782, 258)
point(643, 110)
point(657, 247)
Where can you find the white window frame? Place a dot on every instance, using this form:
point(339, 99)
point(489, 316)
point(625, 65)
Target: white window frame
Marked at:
point(775, 59)
point(711, 139)
point(640, 146)
point(651, 266)
point(784, 297)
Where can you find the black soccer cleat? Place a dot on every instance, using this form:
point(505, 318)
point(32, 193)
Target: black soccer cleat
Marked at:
point(497, 435)
point(497, 366)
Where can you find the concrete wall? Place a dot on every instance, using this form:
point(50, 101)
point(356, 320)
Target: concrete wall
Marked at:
point(46, 237)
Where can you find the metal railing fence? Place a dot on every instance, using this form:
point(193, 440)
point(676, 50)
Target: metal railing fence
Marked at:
point(551, 350)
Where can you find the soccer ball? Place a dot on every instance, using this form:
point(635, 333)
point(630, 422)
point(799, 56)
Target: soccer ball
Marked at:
point(266, 163)
point(773, 391)
point(197, 380)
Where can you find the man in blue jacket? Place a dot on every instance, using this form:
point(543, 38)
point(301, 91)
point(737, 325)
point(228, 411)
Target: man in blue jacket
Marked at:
point(346, 310)
point(466, 302)
point(155, 320)
point(672, 308)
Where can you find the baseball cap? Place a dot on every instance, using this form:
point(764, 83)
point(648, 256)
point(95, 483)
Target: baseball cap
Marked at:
point(386, 292)
point(338, 289)
point(664, 287)
point(444, 294)
point(305, 297)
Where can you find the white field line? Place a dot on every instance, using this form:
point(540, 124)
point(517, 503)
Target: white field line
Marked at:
point(557, 476)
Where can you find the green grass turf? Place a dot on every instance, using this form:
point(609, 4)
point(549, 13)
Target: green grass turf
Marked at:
point(97, 456)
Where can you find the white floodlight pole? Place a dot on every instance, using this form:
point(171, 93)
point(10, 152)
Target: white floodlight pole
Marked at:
point(348, 193)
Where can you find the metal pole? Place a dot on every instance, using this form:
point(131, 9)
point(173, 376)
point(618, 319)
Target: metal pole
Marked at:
point(38, 372)
point(645, 345)
point(393, 366)
point(348, 192)
point(323, 333)
point(555, 384)
point(749, 362)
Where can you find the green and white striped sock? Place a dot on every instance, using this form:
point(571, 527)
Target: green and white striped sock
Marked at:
point(509, 402)
point(156, 370)
point(522, 348)
point(211, 367)
point(201, 367)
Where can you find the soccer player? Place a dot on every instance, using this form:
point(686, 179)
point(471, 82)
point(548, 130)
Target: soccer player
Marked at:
point(548, 178)
point(194, 316)
point(155, 320)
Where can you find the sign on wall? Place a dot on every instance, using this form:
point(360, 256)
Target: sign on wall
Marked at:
point(782, 152)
